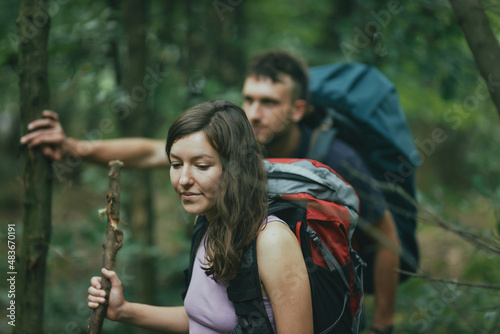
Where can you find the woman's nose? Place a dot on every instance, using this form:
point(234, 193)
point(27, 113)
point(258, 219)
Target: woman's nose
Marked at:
point(186, 176)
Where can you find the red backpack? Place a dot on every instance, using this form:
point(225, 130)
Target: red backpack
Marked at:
point(321, 209)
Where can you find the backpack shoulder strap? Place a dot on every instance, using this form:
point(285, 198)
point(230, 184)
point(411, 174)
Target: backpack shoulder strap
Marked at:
point(244, 290)
point(245, 293)
point(200, 228)
point(322, 138)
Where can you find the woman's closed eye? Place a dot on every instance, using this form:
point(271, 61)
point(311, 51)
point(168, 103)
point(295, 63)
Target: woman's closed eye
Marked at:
point(203, 167)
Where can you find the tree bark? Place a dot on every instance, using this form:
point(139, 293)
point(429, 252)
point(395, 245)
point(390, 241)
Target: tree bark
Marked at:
point(482, 42)
point(34, 26)
point(223, 46)
point(112, 243)
point(140, 122)
point(113, 53)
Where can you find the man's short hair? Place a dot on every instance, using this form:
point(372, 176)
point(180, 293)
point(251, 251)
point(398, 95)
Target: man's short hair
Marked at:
point(271, 64)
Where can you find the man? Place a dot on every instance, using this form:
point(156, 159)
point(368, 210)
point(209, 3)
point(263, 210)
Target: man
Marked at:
point(275, 94)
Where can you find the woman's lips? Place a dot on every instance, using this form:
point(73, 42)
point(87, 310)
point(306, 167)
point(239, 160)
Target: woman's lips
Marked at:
point(188, 195)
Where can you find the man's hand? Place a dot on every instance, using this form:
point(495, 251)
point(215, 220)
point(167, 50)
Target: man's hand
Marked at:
point(47, 133)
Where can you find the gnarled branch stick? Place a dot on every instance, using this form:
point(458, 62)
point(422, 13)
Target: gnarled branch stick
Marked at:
point(112, 243)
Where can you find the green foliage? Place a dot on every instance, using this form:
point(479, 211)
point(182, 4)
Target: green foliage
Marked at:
point(417, 44)
point(435, 307)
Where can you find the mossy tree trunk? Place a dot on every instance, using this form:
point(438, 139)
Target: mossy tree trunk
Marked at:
point(34, 26)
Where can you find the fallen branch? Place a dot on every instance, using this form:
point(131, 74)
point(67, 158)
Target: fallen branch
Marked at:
point(450, 281)
point(111, 245)
point(489, 244)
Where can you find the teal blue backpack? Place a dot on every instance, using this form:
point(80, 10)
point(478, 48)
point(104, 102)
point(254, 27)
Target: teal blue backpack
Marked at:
point(357, 103)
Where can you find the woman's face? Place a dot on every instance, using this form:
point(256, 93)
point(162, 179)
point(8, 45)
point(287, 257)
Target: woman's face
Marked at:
point(195, 173)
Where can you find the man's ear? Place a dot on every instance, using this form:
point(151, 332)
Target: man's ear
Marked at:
point(299, 109)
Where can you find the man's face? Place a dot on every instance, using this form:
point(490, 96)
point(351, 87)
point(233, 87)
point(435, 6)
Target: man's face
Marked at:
point(269, 107)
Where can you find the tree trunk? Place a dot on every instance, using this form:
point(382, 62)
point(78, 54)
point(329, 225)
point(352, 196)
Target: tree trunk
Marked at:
point(224, 36)
point(140, 122)
point(113, 52)
point(482, 42)
point(34, 26)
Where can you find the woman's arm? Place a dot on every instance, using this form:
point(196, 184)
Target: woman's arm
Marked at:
point(284, 276)
point(156, 318)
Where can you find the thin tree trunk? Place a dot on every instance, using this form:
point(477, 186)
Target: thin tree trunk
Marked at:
point(34, 26)
point(224, 36)
point(112, 243)
point(140, 122)
point(187, 61)
point(113, 52)
point(482, 42)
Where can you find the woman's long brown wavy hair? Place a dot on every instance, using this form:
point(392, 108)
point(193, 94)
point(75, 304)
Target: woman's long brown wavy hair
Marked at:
point(241, 204)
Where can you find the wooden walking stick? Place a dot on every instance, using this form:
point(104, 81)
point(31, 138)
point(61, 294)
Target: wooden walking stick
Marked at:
point(112, 243)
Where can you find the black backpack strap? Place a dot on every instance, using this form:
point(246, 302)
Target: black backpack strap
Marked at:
point(246, 294)
point(200, 228)
point(322, 137)
point(330, 260)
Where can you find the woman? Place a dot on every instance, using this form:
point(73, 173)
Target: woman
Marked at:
point(216, 169)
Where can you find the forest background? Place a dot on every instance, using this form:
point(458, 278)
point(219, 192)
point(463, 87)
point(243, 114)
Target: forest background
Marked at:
point(197, 50)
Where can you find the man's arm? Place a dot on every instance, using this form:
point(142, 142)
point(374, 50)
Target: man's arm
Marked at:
point(140, 153)
point(48, 134)
point(385, 275)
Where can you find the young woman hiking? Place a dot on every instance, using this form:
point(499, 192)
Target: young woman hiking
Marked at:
point(216, 169)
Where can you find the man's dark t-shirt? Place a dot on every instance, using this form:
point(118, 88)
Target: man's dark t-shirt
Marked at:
point(343, 159)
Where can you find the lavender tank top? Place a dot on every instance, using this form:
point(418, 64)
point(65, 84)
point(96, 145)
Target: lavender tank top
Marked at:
point(208, 308)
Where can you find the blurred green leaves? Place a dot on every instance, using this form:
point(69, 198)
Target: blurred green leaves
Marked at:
point(418, 45)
